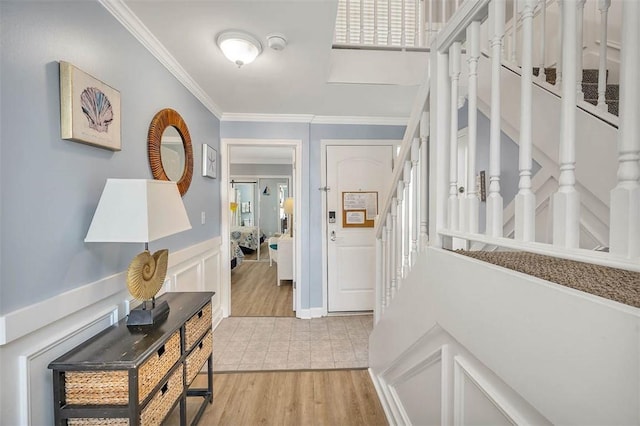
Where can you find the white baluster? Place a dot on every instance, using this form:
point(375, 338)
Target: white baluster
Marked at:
point(439, 145)
point(494, 199)
point(472, 199)
point(399, 218)
point(388, 263)
point(389, 40)
point(580, 48)
point(348, 19)
point(514, 33)
point(560, 47)
point(375, 23)
point(361, 21)
point(603, 6)
point(542, 74)
point(418, 40)
point(415, 185)
point(526, 199)
point(380, 290)
point(454, 57)
point(383, 265)
point(394, 247)
point(566, 202)
point(625, 197)
point(430, 27)
point(403, 33)
point(424, 180)
point(406, 238)
point(444, 12)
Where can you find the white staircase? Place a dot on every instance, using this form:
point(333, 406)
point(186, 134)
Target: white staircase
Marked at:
point(461, 341)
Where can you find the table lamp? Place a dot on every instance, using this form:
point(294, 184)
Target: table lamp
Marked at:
point(140, 211)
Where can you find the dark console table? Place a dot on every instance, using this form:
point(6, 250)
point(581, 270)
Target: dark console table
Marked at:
point(137, 375)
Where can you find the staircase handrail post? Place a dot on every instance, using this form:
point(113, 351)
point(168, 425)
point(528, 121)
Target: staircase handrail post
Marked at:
point(424, 180)
point(603, 7)
point(580, 48)
point(472, 200)
point(625, 197)
point(388, 262)
point(494, 199)
point(566, 201)
point(525, 199)
point(542, 74)
point(415, 196)
point(406, 228)
point(453, 205)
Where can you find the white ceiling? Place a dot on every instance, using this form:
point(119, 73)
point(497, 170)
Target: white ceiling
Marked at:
point(292, 81)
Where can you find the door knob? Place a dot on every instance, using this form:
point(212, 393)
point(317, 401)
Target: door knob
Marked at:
point(333, 235)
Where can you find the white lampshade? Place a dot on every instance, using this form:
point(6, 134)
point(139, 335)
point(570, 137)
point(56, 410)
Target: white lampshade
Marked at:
point(137, 211)
point(240, 48)
point(287, 206)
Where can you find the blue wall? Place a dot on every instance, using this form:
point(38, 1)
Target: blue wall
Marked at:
point(311, 136)
point(49, 186)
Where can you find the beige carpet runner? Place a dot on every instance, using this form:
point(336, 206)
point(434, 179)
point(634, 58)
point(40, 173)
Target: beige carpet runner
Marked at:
point(614, 284)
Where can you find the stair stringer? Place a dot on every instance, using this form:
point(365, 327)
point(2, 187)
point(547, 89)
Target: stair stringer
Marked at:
point(464, 341)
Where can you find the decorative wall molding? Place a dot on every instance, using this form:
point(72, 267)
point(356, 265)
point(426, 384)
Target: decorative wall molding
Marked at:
point(462, 370)
point(132, 23)
point(33, 366)
point(21, 322)
point(315, 119)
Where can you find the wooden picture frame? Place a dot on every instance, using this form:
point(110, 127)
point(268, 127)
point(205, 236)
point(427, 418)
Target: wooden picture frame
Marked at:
point(89, 109)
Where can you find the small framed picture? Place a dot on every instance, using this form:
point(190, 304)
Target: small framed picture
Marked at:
point(209, 161)
point(89, 109)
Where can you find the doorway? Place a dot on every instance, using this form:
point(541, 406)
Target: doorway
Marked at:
point(256, 178)
point(356, 176)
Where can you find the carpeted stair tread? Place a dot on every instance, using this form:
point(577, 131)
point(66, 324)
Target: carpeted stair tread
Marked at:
point(611, 283)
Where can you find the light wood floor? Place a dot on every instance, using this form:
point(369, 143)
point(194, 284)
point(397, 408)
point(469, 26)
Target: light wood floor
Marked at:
point(254, 291)
point(332, 397)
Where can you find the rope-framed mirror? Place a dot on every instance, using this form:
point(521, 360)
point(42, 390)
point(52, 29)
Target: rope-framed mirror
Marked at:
point(164, 119)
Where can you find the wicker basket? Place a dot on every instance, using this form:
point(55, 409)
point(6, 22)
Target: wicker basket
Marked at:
point(96, 387)
point(97, 422)
point(158, 365)
point(162, 402)
point(197, 326)
point(112, 387)
point(198, 356)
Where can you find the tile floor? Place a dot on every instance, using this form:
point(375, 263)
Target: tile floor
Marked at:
point(268, 343)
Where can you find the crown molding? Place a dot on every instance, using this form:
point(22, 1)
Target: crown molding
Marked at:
point(375, 121)
point(132, 23)
point(270, 118)
point(315, 119)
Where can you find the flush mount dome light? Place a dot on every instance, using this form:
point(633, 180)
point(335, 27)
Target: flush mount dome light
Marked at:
point(239, 47)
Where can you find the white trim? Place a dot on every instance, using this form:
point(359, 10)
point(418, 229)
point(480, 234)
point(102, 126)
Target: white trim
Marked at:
point(225, 277)
point(375, 121)
point(378, 385)
point(267, 118)
point(323, 182)
point(134, 25)
point(310, 313)
point(461, 369)
point(23, 321)
point(314, 119)
point(24, 361)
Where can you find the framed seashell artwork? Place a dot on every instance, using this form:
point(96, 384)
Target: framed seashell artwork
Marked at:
point(89, 109)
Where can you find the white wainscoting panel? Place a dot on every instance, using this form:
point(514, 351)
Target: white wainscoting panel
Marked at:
point(36, 383)
point(37, 334)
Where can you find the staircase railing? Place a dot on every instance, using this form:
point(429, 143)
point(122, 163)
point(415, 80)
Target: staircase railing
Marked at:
point(453, 217)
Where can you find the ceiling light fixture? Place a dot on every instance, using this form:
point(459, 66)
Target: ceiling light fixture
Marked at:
point(239, 47)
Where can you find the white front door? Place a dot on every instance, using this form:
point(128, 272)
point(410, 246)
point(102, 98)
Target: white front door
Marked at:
point(357, 171)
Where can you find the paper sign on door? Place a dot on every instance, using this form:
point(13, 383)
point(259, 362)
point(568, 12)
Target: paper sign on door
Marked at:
point(359, 209)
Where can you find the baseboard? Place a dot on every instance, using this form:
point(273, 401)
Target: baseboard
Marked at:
point(310, 313)
point(382, 396)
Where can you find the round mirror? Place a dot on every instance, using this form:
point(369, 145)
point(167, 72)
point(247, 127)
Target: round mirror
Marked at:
point(170, 151)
